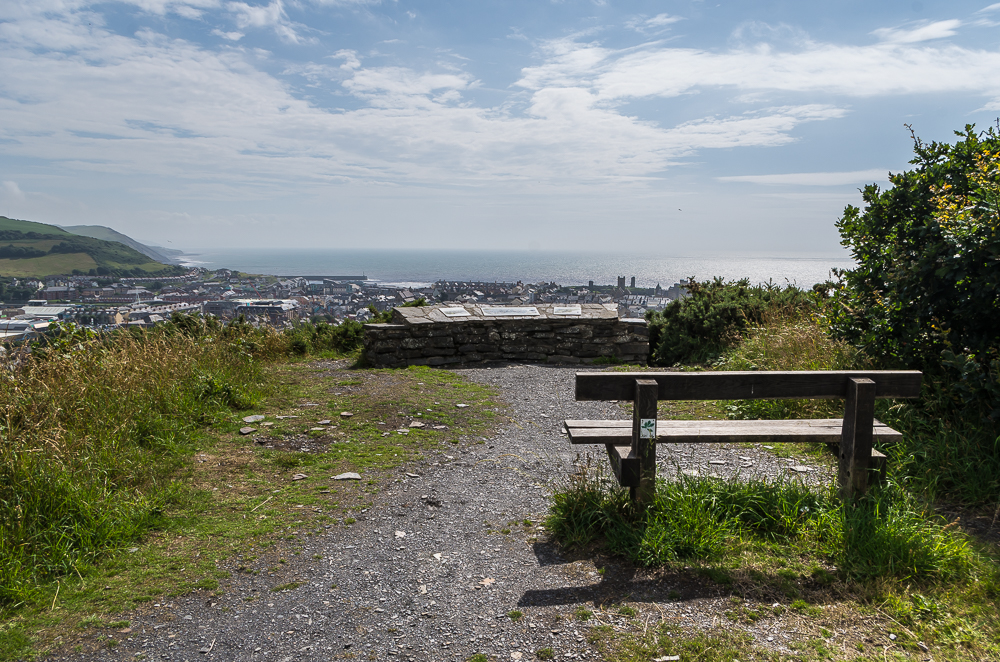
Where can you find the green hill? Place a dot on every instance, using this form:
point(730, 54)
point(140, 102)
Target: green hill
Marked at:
point(37, 249)
point(108, 234)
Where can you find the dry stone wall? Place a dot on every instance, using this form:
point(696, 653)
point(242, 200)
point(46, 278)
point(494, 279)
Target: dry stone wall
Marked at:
point(455, 334)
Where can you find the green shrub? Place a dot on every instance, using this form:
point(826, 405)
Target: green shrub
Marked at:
point(307, 337)
point(926, 295)
point(714, 316)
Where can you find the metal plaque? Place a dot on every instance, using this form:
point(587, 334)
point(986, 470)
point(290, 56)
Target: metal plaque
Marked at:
point(572, 309)
point(509, 311)
point(455, 312)
point(647, 428)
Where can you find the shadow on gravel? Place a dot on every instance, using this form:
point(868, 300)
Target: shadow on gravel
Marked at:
point(618, 583)
point(548, 553)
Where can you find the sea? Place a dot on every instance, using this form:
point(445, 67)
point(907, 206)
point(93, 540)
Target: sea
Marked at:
point(416, 268)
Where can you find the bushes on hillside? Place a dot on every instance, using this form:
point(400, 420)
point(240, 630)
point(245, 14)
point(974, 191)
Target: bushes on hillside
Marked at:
point(715, 315)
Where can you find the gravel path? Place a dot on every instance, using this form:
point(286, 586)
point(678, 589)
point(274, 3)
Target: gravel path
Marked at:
point(431, 571)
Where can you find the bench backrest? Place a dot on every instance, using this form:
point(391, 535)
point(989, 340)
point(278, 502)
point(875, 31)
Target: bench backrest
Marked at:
point(818, 384)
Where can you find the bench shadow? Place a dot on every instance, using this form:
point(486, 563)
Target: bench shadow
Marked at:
point(620, 582)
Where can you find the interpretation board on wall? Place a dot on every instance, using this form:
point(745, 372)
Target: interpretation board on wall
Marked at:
point(455, 312)
point(574, 309)
point(509, 311)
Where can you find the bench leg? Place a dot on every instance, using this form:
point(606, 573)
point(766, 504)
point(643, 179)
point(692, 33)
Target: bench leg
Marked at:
point(644, 439)
point(856, 438)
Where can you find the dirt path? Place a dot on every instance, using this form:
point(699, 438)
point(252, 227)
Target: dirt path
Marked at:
point(449, 548)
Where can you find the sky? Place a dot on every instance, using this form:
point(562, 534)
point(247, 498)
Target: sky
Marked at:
point(681, 128)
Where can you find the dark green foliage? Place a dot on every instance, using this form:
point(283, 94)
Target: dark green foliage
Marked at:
point(926, 291)
point(380, 317)
point(12, 252)
point(10, 292)
point(714, 316)
point(926, 295)
point(307, 338)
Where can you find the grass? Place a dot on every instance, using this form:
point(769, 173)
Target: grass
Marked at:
point(887, 535)
point(786, 553)
point(130, 451)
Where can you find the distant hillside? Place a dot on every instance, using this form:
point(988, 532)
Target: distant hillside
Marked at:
point(38, 249)
point(107, 234)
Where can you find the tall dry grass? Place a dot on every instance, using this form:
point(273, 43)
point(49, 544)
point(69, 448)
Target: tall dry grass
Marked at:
point(789, 341)
point(90, 432)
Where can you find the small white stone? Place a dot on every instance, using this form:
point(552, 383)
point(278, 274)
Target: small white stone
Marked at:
point(350, 475)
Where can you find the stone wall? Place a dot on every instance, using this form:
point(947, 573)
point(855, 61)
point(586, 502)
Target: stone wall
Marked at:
point(472, 333)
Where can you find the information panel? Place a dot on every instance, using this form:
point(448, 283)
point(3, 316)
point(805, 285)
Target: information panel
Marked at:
point(509, 311)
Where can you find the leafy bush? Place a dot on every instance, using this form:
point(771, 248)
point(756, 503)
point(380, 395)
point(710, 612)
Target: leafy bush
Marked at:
point(714, 316)
point(926, 291)
point(343, 338)
point(926, 295)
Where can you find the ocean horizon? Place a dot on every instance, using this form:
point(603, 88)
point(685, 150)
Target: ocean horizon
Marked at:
point(413, 268)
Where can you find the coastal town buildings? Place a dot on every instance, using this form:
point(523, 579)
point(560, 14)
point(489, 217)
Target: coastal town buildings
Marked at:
point(283, 300)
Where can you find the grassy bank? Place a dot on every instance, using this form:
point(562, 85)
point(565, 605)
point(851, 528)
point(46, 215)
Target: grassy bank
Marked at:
point(126, 480)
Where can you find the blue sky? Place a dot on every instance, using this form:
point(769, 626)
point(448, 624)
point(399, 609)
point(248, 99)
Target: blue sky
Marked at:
point(685, 128)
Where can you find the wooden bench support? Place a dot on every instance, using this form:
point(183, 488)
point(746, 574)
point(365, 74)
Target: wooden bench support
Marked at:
point(644, 439)
point(856, 440)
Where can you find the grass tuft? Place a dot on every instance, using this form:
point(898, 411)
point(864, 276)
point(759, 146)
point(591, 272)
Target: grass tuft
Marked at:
point(884, 535)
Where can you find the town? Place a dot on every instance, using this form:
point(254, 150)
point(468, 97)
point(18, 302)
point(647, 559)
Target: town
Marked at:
point(281, 301)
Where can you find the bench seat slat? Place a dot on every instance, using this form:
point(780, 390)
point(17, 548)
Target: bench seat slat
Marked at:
point(795, 431)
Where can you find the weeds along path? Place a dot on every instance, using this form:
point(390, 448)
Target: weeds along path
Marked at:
point(448, 561)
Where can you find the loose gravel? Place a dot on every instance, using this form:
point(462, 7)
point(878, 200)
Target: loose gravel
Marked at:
point(451, 546)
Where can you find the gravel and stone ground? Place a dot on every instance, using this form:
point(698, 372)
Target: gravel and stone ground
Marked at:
point(449, 548)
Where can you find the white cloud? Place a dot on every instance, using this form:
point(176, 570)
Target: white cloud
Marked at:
point(662, 19)
point(265, 16)
point(12, 190)
point(656, 23)
point(231, 36)
point(813, 178)
point(990, 8)
point(187, 8)
point(937, 30)
point(853, 71)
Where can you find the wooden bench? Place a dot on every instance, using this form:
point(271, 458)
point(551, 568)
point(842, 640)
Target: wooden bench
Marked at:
point(631, 445)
